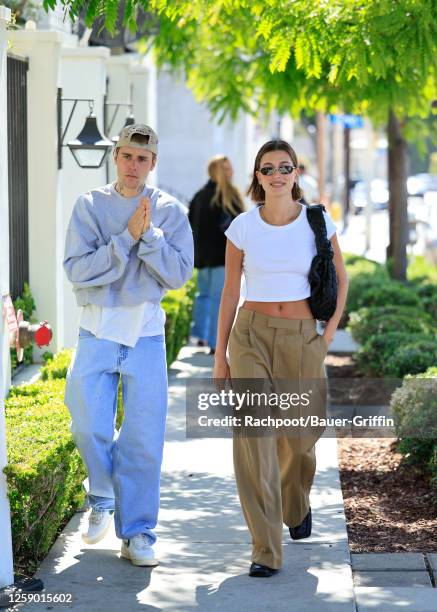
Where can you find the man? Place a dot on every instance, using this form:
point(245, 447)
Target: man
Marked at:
point(126, 244)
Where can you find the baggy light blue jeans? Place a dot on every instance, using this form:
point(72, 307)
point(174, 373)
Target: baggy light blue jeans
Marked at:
point(124, 467)
point(210, 283)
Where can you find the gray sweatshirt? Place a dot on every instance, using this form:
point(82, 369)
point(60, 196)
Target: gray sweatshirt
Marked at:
point(108, 267)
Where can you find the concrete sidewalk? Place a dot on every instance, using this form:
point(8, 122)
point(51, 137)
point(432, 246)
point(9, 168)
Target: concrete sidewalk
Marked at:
point(204, 546)
point(203, 543)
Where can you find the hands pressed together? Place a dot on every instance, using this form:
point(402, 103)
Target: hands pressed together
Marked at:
point(140, 220)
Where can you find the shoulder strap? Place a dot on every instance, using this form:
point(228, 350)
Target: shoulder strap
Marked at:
point(318, 225)
point(316, 220)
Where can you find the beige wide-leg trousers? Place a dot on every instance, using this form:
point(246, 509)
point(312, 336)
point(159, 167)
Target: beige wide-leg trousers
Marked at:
point(274, 473)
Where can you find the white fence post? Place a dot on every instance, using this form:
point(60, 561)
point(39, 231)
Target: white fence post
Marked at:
point(6, 564)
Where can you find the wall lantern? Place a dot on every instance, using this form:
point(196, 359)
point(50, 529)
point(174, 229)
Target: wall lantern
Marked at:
point(130, 119)
point(90, 147)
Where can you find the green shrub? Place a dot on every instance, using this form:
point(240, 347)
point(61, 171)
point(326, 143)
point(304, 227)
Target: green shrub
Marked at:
point(357, 265)
point(377, 291)
point(375, 320)
point(370, 284)
point(419, 270)
point(44, 472)
point(171, 307)
point(57, 366)
point(362, 274)
point(412, 358)
point(178, 306)
point(372, 357)
point(427, 293)
point(47, 355)
point(414, 405)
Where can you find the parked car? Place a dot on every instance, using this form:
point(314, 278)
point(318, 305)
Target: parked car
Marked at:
point(378, 194)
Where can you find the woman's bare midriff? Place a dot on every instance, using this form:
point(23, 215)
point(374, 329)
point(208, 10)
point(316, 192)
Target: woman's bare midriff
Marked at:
point(298, 309)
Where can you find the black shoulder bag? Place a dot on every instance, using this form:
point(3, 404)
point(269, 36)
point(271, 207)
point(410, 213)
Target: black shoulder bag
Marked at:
point(322, 276)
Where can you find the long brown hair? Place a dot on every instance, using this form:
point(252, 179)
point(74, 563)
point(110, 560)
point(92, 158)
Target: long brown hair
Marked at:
point(226, 194)
point(256, 191)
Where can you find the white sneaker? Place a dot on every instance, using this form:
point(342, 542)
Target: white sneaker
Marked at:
point(99, 522)
point(139, 551)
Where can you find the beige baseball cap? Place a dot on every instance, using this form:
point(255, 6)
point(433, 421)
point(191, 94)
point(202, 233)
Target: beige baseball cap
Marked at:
point(127, 132)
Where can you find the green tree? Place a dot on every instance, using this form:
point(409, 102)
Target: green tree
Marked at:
point(375, 58)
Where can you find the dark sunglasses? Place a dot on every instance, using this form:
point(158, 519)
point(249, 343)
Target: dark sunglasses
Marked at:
point(270, 170)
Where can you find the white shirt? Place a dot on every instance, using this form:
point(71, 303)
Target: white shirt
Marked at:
point(277, 258)
point(124, 324)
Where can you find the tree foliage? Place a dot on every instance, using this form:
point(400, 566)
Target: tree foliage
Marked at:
point(360, 56)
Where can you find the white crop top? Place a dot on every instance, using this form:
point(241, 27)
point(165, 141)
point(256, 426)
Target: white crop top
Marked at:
point(277, 258)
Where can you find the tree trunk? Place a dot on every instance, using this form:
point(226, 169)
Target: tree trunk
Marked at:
point(347, 174)
point(398, 199)
point(321, 156)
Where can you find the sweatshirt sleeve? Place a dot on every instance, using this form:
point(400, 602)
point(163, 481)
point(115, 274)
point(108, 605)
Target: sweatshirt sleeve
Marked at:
point(168, 251)
point(87, 264)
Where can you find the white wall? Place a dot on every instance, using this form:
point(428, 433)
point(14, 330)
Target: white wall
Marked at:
point(5, 369)
point(119, 89)
point(4, 206)
point(143, 76)
point(6, 566)
point(43, 50)
point(144, 90)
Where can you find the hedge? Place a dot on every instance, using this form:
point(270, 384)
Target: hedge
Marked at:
point(376, 320)
point(360, 271)
point(415, 406)
point(178, 306)
point(427, 293)
point(377, 357)
point(358, 264)
point(396, 325)
point(419, 270)
point(413, 357)
point(371, 285)
point(395, 322)
point(56, 367)
point(45, 471)
point(376, 290)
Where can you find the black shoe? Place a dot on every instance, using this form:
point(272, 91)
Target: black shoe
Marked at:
point(303, 530)
point(261, 571)
point(212, 351)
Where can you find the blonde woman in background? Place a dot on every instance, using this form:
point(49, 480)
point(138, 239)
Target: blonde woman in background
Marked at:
point(211, 211)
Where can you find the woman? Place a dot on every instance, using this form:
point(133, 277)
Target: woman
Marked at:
point(211, 211)
point(274, 337)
